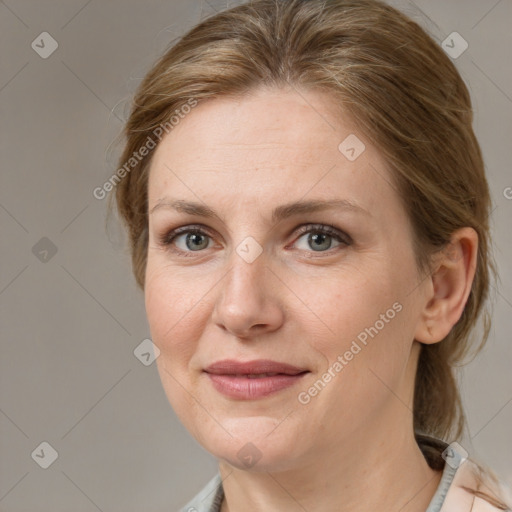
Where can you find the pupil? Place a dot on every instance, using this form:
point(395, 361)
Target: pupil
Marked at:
point(196, 240)
point(322, 236)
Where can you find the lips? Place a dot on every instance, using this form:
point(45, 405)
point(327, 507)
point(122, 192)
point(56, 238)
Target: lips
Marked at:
point(260, 367)
point(252, 380)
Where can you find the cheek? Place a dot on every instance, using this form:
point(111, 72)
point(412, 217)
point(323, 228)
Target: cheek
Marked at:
point(368, 323)
point(364, 359)
point(173, 323)
point(171, 310)
point(349, 303)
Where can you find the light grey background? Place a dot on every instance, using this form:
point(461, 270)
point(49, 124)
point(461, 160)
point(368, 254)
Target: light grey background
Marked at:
point(69, 325)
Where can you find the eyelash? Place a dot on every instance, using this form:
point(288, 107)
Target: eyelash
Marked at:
point(168, 238)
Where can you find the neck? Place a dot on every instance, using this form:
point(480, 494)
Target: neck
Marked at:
point(386, 474)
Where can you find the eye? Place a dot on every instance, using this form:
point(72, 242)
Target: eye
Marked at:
point(194, 239)
point(190, 239)
point(319, 237)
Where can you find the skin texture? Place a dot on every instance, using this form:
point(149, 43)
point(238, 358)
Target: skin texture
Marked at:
point(351, 448)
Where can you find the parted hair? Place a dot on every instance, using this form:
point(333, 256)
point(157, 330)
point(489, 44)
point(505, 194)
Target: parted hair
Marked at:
point(405, 96)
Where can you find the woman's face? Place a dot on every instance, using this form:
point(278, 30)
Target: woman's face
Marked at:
point(343, 306)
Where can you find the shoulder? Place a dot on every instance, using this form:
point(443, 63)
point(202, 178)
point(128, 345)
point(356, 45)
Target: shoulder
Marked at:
point(471, 486)
point(476, 488)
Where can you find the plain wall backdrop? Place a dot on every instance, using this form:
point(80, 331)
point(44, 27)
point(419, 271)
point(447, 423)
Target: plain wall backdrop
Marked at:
point(71, 315)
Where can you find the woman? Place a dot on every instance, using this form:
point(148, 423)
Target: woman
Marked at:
point(308, 218)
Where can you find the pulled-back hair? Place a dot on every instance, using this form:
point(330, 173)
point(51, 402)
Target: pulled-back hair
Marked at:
point(404, 94)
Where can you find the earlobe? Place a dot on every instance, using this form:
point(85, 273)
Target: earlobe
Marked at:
point(448, 287)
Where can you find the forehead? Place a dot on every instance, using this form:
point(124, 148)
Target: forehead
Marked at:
point(263, 120)
point(264, 147)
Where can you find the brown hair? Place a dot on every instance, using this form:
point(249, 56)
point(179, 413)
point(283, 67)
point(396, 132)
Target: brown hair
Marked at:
point(404, 94)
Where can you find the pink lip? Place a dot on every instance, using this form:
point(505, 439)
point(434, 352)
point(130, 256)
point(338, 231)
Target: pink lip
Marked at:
point(230, 377)
point(232, 367)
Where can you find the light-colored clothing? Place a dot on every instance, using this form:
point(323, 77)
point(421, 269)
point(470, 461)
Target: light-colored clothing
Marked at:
point(209, 499)
point(449, 496)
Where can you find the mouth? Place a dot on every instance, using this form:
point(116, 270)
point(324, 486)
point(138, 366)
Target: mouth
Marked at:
point(258, 367)
point(257, 375)
point(253, 379)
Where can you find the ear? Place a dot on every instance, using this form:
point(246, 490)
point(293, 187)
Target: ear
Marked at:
point(448, 287)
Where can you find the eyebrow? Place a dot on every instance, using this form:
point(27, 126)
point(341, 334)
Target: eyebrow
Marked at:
point(278, 214)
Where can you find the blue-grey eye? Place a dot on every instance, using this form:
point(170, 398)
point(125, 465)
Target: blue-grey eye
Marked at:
point(194, 240)
point(320, 239)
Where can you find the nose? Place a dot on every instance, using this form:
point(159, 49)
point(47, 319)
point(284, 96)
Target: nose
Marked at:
point(249, 300)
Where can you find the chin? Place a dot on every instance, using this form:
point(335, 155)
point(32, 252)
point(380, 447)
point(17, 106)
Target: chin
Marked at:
point(255, 444)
